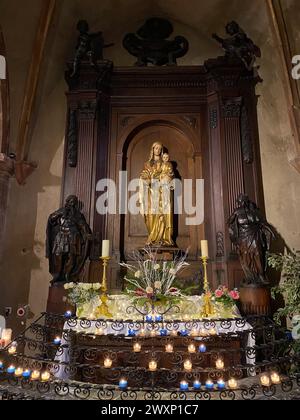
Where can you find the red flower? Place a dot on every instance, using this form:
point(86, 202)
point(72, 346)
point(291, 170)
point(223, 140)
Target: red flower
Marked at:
point(219, 293)
point(234, 294)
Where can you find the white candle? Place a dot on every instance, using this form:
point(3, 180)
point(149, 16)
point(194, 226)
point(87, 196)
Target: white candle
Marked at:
point(265, 380)
point(232, 383)
point(169, 348)
point(275, 378)
point(220, 364)
point(192, 348)
point(35, 375)
point(45, 376)
point(108, 363)
point(137, 348)
point(105, 249)
point(204, 249)
point(19, 372)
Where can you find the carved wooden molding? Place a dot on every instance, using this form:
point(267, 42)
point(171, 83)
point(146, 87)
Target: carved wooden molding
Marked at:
point(232, 107)
point(33, 77)
point(281, 36)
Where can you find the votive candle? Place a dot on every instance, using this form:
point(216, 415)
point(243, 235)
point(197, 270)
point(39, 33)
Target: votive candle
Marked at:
point(221, 385)
point(265, 380)
point(153, 366)
point(57, 341)
point(197, 385)
point(232, 383)
point(26, 374)
point(12, 350)
point(169, 348)
point(123, 384)
point(184, 386)
point(137, 348)
point(19, 372)
point(188, 365)
point(45, 377)
point(220, 364)
point(11, 370)
point(275, 378)
point(35, 376)
point(192, 348)
point(108, 363)
point(209, 385)
point(202, 348)
point(1, 365)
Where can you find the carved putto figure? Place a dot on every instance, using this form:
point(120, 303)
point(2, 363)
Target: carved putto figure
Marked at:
point(151, 46)
point(68, 242)
point(239, 45)
point(156, 197)
point(252, 235)
point(90, 46)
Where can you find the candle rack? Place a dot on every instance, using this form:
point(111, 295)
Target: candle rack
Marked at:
point(248, 367)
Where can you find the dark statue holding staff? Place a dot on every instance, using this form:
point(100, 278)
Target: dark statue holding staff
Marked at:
point(252, 235)
point(68, 242)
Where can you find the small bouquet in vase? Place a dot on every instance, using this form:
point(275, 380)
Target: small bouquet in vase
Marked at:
point(227, 298)
point(151, 281)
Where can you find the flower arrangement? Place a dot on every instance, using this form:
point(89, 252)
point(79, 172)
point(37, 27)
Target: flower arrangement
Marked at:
point(152, 281)
point(81, 293)
point(226, 297)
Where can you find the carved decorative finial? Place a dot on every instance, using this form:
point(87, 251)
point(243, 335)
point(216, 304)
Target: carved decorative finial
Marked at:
point(151, 44)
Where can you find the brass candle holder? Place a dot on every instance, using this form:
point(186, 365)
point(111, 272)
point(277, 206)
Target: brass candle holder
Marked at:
point(103, 309)
point(208, 308)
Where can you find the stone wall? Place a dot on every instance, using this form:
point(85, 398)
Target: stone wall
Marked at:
point(24, 271)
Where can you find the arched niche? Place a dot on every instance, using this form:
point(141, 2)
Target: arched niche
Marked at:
point(183, 143)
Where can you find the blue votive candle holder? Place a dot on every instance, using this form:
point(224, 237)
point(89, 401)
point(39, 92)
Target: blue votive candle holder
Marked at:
point(131, 333)
point(221, 385)
point(68, 315)
point(184, 386)
point(1, 365)
point(158, 318)
point(202, 348)
point(123, 384)
point(209, 386)
point(184, 333)
point(163, 332)
point(197, 385)
point(57, 341)
point(26, 374)
point(11, 370)
point(149, 318)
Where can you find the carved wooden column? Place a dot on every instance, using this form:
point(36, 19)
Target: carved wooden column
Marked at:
point(6, 172)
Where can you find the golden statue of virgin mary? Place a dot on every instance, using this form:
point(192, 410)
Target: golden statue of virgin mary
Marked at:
point(156, 197)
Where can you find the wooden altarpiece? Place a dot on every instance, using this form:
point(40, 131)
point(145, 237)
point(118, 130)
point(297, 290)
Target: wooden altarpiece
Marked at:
point(207, 118)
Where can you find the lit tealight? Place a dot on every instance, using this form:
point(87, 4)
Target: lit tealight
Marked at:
point(184, 386)
point(192, 348)
point(209, 385)
point(221, 385)
point(153, 366)
point(11, 370)
point(188, 365)
point(137, 348)
point(169, 348)
point(1, 365)
point(19, 372)
point(212, 332)
point(232, 383)
point(108, 363)
point(143, 333)
point(195, 333)
point(99, 331)
point(174, 333)
point(202, 348)
point(123, 384)
point(35, 376)
point(220, 364)
point(153, 334)
point(12, 350)
point(45, 377)
point(275, 378)
point(57, 341)
point(26, 374)
point(265, 380)
point(197, 385)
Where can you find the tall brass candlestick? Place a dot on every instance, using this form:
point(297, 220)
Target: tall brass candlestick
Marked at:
point(103, 310)
point(208, 309)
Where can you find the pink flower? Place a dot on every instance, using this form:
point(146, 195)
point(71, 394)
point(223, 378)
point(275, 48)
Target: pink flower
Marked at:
point(219, 293)
point(139, 292)
point(234, 294)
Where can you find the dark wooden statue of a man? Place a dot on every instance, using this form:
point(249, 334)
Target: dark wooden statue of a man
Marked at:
point(252, 235)
point(68, 242)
